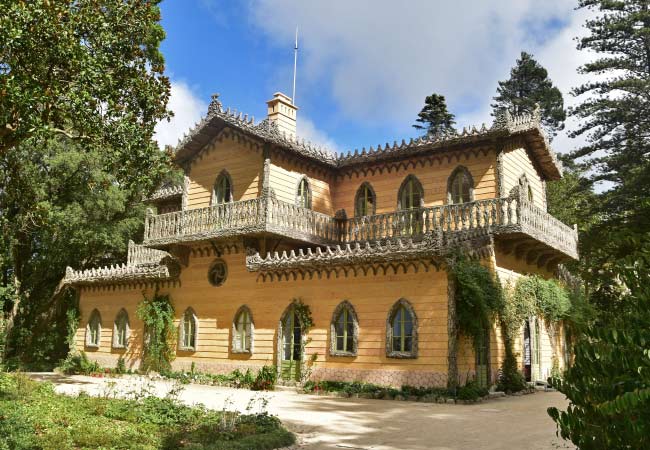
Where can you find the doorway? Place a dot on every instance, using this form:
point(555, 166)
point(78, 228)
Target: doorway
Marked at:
point(291, 346)
point(482, 371)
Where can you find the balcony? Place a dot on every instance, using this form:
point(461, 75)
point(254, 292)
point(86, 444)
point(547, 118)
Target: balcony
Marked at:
point(517, 224)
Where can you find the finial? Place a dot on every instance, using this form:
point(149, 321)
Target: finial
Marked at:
point(215, 105)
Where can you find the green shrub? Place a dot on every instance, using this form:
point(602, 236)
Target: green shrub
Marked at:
point(77, 363)
point(120, 368)
point(265, 379)
point(471, 391)
point(510, 378)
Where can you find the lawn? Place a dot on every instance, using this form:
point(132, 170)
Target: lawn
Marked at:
point(33, 416)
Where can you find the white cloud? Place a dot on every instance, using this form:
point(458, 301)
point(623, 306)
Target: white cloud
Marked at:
point(188, 109)
point(306, 129)
point(379, 58)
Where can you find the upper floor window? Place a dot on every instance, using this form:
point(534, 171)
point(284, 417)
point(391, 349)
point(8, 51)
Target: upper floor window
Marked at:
point(222, 189)
point(121, 329)
point(188, 331)
point(401, 331)
point(242, 337)
point(460, 186)
point(303, 193)
point(344, 331)
point(94, 329)
point(364, 203)
point(411, 194)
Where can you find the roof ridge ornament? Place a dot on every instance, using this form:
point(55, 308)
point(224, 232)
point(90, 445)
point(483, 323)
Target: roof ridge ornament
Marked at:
point(215, 105)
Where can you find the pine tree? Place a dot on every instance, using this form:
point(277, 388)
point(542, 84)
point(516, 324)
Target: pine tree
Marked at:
point(434, 117)
point(528, 86)
point(615, 115)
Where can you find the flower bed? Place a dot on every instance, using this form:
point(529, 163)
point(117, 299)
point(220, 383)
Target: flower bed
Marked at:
point(470, 393)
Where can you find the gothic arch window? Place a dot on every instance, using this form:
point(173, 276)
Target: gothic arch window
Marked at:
point(94, 330)
point(303, 193)
point(344, 330)
point(188, 331)
point(222, 191)
point(121, 329)
point(401, 331)
point(411, 194)
point(523, 188)
point(365, 201)
point(460, 186)
point(242, 331)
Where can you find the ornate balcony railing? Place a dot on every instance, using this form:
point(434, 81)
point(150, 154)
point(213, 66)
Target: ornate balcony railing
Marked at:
point(239, 218)
point(498, 215)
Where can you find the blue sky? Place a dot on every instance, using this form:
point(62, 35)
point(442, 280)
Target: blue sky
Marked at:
point(364, 67)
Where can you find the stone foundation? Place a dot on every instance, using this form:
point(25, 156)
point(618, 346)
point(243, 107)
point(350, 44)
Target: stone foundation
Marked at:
point(214, 367)
point(395, 378)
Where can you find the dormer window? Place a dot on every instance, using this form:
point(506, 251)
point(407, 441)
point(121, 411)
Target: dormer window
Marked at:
point(303, 194)
point(460, 186)
point(222, 189)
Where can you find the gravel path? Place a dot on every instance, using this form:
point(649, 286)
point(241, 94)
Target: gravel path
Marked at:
point(324, 422)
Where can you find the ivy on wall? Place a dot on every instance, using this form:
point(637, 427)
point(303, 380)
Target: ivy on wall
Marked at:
point(479, 298)
point(157, 315)
point(304, 314)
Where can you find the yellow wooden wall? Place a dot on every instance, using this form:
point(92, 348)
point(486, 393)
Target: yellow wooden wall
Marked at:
point(284, 177)
point(371, 296)
point(432, 176)
point(244, 165)
point(517, 163)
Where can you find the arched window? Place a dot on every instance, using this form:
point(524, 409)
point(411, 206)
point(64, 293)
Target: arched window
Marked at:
point(222, 192)
point(460, 186)
point(364, 202)
point(530, 194)
point(94, 330)
point(242, 331)
point(303, 193)
point(401, 331)
point(411, 194)
point(344, 330)
point(121, 330)
point(187, 336)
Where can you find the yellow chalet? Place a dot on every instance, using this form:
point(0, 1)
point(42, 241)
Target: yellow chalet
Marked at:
point(264, 220)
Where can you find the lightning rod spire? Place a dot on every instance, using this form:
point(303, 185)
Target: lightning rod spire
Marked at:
point(295, 65)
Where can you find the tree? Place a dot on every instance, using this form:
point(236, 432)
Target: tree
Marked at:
point(615, 112)
point(608, 384)
point(528, 86)
point(82, 88)
point(434, 117)
point(89, 70)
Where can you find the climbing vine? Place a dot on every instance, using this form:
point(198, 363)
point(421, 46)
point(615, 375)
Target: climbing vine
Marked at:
point(304, 314)
point(479, 298)
point(157, 314)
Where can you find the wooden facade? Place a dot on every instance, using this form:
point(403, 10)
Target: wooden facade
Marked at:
point(272, 247)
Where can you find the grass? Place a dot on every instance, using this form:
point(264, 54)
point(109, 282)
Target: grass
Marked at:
point(33, 416)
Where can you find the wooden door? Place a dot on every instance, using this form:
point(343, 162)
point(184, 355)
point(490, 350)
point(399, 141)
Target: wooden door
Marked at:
point(291, 347)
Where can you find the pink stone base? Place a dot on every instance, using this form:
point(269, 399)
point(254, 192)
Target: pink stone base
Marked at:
point(395, 378)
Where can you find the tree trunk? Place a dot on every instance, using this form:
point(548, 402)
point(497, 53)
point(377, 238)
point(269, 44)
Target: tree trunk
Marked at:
point(452, 331)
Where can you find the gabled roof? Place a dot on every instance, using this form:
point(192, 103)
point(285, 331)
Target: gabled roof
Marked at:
point(505, 126)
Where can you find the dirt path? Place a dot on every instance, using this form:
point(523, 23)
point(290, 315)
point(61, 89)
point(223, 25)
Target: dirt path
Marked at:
point(323, 422)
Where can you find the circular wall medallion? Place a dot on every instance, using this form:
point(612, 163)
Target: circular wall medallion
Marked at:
point(218, 272)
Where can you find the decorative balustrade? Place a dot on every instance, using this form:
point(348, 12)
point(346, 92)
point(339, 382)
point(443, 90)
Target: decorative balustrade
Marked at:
point(498, 215)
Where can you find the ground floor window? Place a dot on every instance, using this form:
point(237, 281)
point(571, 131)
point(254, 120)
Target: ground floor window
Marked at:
point(188, 331)
point(242, 331)
point(344, 330)
point(401, 331)
point(94, 329)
